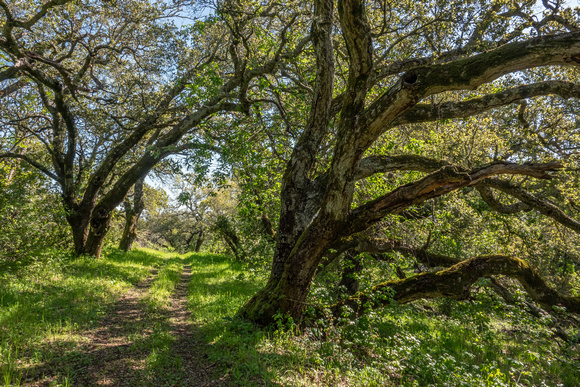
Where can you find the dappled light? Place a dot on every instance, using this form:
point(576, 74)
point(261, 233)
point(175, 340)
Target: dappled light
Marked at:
point(295, 193)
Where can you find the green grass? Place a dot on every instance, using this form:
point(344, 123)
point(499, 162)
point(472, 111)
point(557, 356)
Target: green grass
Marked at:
point(161, 362)
point(158, 298)
point(443, 343)
point(45, 307)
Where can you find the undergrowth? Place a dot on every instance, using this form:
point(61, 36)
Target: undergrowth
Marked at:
point(46, 306)
point(442, 343)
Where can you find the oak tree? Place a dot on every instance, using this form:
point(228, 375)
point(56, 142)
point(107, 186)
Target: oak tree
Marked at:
point(106, 90)
point(377, 70)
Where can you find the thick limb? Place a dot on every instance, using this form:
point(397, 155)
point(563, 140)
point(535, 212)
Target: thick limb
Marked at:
point(455, 282)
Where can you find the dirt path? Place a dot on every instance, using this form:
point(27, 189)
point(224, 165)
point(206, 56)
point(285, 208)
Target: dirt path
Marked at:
point(103, 352)
point(195, 370)
point(115, 353)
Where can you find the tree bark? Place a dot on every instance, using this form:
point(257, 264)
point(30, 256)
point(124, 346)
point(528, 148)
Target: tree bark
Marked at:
point(132, 214)
point(455, 283)
point(199, 242)
point(79, 225)
point(100, 222)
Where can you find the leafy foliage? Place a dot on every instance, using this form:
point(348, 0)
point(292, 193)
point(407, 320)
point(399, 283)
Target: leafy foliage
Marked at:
point(31, 224)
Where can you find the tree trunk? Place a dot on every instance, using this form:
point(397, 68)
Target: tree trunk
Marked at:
point(200, 239)
point(225, 227)
point(349, 283)
point(80, 231)
point(133, 212)
point(100, 222)
point(288, 293)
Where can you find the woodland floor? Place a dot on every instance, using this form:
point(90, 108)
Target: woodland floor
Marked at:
point(149, 318)
point(111, 354)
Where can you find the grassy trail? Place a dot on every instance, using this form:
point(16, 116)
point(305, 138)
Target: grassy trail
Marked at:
point(147, 318)
point(115, 321)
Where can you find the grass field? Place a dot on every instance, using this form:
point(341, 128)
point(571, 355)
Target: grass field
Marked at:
point(50, 310)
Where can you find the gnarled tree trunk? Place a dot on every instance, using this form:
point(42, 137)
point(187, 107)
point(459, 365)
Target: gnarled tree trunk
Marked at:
point(132, 214)
point(317, 213)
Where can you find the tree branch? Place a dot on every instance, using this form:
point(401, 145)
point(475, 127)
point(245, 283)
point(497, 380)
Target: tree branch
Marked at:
point(488, 197)
point(455, 283)
point(542, 206)
point(450, 110)
point(381, 164)
point(32, 162)
point(467, 74)
point(445, 180)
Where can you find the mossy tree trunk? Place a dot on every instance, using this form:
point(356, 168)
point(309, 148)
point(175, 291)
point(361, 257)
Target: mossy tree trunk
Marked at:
point(317, 209)
point(455, 282)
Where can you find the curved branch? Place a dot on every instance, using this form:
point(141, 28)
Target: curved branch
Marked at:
point(450, 110)
point(542, 206)
point(467, 74)
point(40, 14)
point(455, 283)
point(445, 180)
point(487, 196)
point(381, 164)
point(32, 162)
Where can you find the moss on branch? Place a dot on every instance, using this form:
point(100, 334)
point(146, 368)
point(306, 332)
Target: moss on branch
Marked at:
point(455, 282)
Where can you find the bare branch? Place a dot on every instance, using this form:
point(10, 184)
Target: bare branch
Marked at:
point(32, 162)
point(543, 206)
point(381, 164)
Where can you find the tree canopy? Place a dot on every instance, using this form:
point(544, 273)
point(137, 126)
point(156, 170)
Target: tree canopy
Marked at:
point(352, 127)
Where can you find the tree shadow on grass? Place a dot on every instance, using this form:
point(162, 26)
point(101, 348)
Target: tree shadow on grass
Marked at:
point(234, 348)
point(41, 317)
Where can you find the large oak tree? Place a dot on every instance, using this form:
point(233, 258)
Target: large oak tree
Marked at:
point(381, 68)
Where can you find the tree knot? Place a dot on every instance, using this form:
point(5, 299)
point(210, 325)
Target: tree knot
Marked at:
point(410, 78)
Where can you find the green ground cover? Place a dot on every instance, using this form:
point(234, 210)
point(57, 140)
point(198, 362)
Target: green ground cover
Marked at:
point(45, 307)
point(444, 343)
